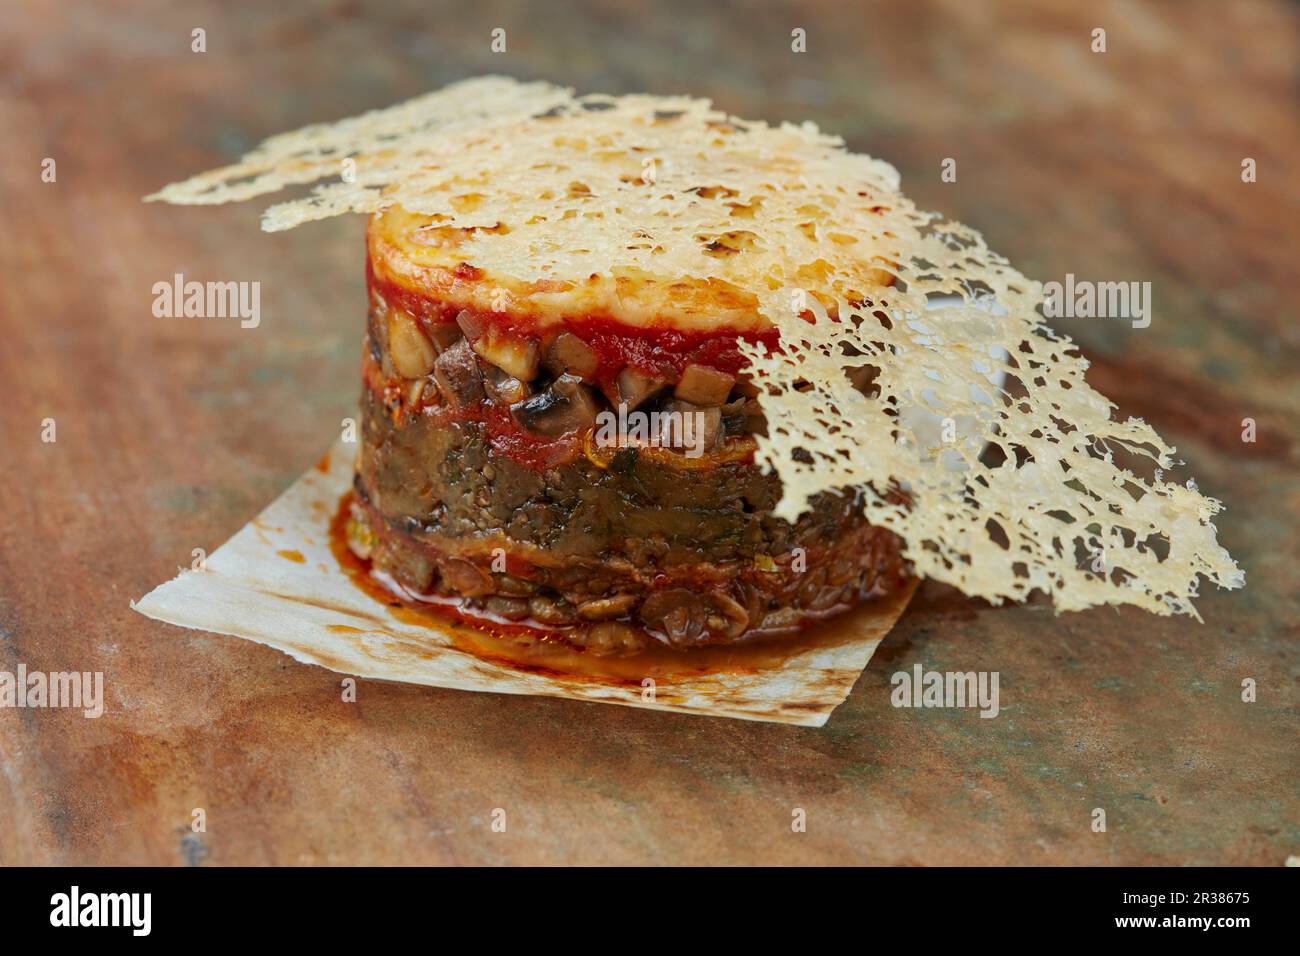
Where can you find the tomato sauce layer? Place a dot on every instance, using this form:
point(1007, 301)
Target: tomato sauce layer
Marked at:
point(656, 351)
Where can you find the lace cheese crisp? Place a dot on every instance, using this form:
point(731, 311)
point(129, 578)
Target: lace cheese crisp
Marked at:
point(1032, 484)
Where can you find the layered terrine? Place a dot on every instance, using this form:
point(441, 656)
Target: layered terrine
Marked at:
point(578, 457)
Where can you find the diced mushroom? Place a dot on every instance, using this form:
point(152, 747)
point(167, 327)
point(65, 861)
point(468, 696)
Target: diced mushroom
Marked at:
point(566, 406)
point(703, 433)
point(516, 355)
point(745, 387)
point(684, 617)
point(568, 353)
point(510, 608)
point(730, 619)
point(444, 336)
point(457, 373)
point(520, 357)
point(604, 609)
point(635, 387)
point(675, 616)
point(508, 585)
point(703, 385)
point(471, 323)
point(743, 416)
point(550, 611)
point(412, 352)
point(503, 387)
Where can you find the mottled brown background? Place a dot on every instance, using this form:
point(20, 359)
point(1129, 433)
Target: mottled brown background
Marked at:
point(173, 433)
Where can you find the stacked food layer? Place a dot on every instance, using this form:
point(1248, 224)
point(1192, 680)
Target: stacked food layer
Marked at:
point(578, 457)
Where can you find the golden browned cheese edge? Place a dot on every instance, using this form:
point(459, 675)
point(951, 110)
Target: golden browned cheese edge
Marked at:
point(443, 276)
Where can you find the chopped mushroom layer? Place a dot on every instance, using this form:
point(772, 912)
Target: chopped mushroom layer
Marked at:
point(550, 386)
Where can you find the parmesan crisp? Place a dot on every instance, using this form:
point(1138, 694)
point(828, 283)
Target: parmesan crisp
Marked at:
point(551, 188)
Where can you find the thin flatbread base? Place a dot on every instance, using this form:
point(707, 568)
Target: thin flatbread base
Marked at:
point(278, 583)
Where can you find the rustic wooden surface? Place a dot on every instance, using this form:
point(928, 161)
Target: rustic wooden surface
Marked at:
point(173, 433)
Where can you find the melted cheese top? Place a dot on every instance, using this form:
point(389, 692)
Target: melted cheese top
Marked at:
point(433, 261)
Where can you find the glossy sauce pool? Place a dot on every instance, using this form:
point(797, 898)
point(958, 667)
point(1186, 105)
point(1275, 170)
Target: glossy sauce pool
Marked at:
point(525, 648)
